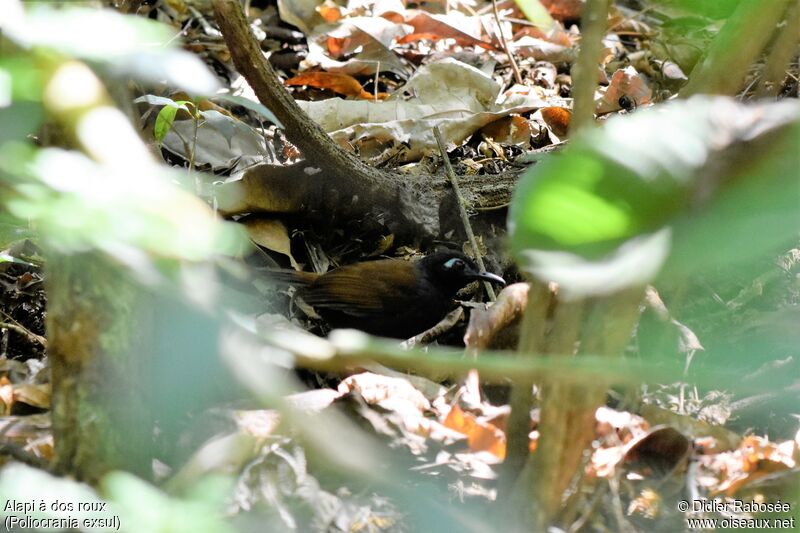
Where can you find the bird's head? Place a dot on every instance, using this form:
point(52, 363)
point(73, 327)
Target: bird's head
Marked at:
point(451, 271)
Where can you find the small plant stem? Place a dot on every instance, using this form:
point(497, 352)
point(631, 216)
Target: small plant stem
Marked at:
point(462, 210)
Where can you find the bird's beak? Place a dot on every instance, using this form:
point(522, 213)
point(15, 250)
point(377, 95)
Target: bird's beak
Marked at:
point(491, 278)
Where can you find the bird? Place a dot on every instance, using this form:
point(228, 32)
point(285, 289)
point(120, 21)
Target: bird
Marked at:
point(388, 297)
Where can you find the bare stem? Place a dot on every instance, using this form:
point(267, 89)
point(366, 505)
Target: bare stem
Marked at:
point(462, 210)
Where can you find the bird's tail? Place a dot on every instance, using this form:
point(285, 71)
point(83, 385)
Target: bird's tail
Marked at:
point(289, 277)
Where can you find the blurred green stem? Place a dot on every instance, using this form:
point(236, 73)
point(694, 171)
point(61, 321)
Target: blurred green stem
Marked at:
point(739, 43)
point(783, 49)
point(584, 73)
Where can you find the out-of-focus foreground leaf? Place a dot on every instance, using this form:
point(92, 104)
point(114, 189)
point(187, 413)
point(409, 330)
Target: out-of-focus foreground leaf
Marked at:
point(80, 204)
point(125, 46)
point(598, 217)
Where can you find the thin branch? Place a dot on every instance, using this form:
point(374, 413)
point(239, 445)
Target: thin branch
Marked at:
point(462, 210)
point(504, 43)
point(22, 330)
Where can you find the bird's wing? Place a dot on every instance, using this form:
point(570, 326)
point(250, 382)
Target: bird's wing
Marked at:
point(367, 290)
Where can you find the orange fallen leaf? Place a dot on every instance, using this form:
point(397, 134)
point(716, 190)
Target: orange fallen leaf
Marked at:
point(513, 129)
point(337, 82)
point(756, 457)
point(481, 436)
point(557, 119)
point(338, 45)
point(329, 11)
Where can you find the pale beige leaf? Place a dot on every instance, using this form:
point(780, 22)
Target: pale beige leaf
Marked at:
point(272, 235)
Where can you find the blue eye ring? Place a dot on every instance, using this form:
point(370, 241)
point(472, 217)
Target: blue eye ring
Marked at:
point(454, 264)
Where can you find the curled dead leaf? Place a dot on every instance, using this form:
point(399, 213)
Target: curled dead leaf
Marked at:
point(484, 325)
point(272, 235)
point(337, 82)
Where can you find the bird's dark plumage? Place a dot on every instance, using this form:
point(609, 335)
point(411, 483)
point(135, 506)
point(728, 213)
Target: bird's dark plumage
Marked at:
point(390, 297)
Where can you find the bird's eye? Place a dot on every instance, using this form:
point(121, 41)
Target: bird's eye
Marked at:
point(454, 264)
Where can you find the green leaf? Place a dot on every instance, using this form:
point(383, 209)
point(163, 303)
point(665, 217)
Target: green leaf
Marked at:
point(23, 483)
point(19, 80)
point(143, 507)
point(129, 214)
point(598, 216)
point(20, 120)
point(6, 258)
point(164, 122)
point(123, 45)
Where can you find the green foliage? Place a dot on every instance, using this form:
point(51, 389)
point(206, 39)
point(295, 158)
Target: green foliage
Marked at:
point(142, 507)
point(23, 85)
point(134, 213)
point(124, 46)
point(78, 203)
point(166, 117)
point(604, 208)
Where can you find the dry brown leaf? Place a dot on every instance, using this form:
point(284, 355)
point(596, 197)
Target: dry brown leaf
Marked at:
point(33, 395)
point(542, 50)
point(435, 27)
point(557, 119)
point(647, 504)
point(271, 234)
point(662, 449)
point(513, 129)
point(755, 458)
point(723, 437)
point(484, 325)
point(625, 83)
point(313, 400)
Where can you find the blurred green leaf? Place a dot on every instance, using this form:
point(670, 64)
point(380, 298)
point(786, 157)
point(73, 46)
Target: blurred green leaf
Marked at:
point(20, 120)
point(6, 258)
point(12, 229)
point(536, 13)
point(142, 507)
point(78, 204)
point(22, 483)
point(18, 81)
point(756, 217)
point(123, 45)
point(595, 217)
point(710, 8)
point(21, 112)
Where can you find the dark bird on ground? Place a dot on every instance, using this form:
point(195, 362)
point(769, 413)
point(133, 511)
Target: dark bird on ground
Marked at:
point(389, 297)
